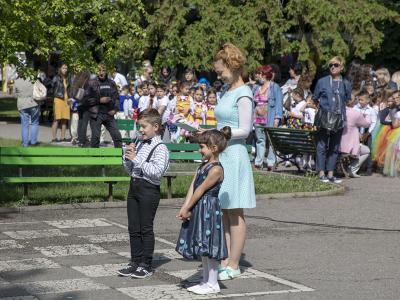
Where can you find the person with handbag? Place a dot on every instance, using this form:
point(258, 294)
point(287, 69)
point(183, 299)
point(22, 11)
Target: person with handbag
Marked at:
point(332, 92)
point(62, 91)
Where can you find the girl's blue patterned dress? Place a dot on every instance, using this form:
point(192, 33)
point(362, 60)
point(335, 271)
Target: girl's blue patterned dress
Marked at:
point(203, 234)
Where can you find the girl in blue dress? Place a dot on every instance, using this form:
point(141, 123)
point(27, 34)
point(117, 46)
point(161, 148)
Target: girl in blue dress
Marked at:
point(202, 233)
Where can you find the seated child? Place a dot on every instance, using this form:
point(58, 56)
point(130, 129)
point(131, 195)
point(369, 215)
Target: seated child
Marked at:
point(295, 115)
point(202, 232)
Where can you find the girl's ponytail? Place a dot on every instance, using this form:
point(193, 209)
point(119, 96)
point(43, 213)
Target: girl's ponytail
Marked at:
point(227, 132)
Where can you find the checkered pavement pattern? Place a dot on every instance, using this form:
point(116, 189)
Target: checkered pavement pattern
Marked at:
point(78, 259)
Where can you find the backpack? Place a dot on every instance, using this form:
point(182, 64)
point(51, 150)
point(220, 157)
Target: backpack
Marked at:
point(39, 91)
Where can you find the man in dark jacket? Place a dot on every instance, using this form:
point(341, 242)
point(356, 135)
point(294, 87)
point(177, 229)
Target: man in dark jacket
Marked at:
point(108, 106)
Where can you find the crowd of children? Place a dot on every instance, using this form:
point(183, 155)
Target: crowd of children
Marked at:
point(188, 103)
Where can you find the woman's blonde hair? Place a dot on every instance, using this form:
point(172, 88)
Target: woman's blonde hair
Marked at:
point(396, 78)
point(339, 59)
point(232, 57)
point(385, 73)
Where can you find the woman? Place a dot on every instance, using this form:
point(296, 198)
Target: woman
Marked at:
point(268, 112)
point(190, 77)
point(332, 92)
point(234, 109)
point(383, 80)
point(166, 76)
point(350, 141)
point(62, 91)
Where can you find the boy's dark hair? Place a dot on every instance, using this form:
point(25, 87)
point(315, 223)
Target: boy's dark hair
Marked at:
point(217, 85)
point(297, 68)
point(152, 116)
point(125, 88)
point(144, 84)
point(162, 86)
point(215, 137)
point(363, 93)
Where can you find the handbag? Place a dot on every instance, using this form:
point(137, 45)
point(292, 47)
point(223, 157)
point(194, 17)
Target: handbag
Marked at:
point(80, 92)
point(39, 91)
point(328, 120)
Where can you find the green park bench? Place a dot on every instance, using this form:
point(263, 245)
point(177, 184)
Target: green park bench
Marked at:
point(23, 158)
point(289, 143)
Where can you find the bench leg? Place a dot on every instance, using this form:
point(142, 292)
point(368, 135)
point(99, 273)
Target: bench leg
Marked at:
point(110, 191)
point(169, 187)
point(25, 195)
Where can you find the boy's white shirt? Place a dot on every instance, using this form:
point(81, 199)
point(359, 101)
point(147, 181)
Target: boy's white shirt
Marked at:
point(128, 104)
point(371, 113)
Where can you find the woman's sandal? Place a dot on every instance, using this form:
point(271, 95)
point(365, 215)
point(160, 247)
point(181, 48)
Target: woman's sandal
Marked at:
point(229, 273)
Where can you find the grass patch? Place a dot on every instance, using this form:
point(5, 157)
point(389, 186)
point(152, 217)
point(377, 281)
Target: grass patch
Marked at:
point(8, 108)
point(92, 192)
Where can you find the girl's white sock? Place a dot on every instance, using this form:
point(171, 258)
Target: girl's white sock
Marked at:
point(204, 261)
point(212, 272)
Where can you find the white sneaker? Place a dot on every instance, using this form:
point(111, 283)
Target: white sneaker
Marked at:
point(207, 289)
point(195, 287)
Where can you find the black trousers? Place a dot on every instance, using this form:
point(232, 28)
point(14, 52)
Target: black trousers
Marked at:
point(111, 125)
point(143, 200)
point(84, 118)
point(368, 142)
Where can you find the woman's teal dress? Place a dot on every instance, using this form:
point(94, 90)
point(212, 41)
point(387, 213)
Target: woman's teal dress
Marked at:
point(237, 189)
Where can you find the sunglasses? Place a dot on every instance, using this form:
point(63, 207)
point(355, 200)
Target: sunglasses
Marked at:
point(336, 65)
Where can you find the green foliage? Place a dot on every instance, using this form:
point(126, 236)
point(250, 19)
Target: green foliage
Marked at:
point(190, 32)
point(81, 30)
point(316, 29)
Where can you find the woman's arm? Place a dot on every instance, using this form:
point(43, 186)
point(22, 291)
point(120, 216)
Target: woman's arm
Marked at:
point(245, 108)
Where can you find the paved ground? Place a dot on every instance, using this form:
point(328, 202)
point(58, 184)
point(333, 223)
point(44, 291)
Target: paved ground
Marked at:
point(341, 247)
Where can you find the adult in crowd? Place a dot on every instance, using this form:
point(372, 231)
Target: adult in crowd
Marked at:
point(383, 80)
point(235, 109)
point(88, 107)
point(29, 112)
point(332, 92)
point(268, 112)
point(396, 79)
point(108, 106)
point(62, 92)
point(146, 75)
point(295, 71)
point(190, 76)
point(119, 79)
point(166, 76)
point(350, 140)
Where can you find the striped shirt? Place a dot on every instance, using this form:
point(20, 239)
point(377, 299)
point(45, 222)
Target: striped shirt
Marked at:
point(153, 170)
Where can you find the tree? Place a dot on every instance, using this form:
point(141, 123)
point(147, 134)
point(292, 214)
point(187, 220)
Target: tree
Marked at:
point(84, 31)
point(315, 29)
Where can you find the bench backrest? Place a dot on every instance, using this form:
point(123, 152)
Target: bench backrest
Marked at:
point(292, 141)
point(129, 125)
point(65, 156)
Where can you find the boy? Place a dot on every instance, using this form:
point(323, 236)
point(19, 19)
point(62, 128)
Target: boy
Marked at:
point(364, 107)
point(146, 162)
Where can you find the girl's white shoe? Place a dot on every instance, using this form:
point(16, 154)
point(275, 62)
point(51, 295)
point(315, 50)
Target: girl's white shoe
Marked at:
point(195, 287)
point(207, 289)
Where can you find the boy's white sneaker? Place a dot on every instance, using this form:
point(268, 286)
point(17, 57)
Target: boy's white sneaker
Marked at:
point(207, 289)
